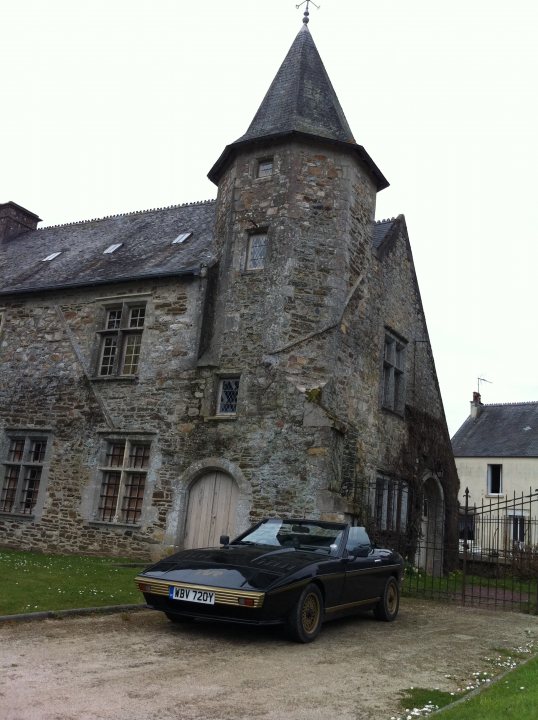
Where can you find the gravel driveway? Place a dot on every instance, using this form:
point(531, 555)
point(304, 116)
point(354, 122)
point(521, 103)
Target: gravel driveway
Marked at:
point(141, 667)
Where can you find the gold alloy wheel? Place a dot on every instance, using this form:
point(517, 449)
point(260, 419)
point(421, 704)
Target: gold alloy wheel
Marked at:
point(310, 613)
point(392, 598)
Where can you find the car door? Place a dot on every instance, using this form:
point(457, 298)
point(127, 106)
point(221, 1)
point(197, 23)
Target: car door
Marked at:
point(364, 574)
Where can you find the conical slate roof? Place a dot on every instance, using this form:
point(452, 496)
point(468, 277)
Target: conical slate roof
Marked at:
point(300, 101)
point(301, 98)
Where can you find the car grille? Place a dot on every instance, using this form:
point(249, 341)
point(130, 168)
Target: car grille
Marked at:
point(223, 596)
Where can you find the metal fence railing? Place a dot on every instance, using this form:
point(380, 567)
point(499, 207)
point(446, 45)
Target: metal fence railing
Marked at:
point(492, 562)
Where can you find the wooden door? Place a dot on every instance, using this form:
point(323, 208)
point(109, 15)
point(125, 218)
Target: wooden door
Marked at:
point(211, 510)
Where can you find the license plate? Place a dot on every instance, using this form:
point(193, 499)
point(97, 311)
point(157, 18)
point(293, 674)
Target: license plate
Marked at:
point(189, 595)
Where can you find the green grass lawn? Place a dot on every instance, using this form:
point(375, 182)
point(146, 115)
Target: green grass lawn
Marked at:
point(31, 582)
point(513, 697)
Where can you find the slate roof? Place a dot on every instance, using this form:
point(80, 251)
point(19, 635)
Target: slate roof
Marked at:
point(146, 250)
point(300, 101)
point(381, 228)
point(301, 98)
point(507, 430)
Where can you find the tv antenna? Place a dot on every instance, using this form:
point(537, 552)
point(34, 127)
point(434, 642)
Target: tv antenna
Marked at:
point(483, 380)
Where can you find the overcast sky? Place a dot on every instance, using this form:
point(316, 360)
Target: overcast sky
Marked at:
point(112, 106)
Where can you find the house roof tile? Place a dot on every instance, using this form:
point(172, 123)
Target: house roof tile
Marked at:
point(381, 229)
point(146, 249)
point(500, 430)
point(301, 98)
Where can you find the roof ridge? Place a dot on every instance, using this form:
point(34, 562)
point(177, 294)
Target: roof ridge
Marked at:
point(126, 214)
point(524, 402)
point(385, 220)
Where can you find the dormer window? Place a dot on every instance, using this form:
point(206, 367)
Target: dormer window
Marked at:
point(265, 168)
point(181, 238)
point(112, 248)
point(51, 256)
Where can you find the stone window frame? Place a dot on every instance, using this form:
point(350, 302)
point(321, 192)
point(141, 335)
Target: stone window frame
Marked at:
point(393, 375)
point(226, 404)
point(262, 170)
point(21, 465)
point(122, 501)
point(251, 266)
point(121, 331)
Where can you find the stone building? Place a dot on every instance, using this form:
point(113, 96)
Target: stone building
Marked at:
point(173, 374)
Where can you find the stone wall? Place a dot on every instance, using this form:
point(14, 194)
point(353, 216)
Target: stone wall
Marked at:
point(49, 382)
point(305, 334)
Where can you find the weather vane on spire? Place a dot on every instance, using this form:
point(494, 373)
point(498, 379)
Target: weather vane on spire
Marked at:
point(306, 13)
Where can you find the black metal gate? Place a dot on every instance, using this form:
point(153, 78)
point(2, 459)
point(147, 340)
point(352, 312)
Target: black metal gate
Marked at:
point(494, 561)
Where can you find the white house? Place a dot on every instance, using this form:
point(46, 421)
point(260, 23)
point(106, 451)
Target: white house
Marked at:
point(496, 454)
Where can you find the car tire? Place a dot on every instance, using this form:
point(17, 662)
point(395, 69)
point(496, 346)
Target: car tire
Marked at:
point(387, 608)
point(304, 621)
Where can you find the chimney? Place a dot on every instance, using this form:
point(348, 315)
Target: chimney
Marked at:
point(15, 220)
point(476, 405)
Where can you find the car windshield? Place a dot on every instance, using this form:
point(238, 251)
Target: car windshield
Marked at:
point(300, 534)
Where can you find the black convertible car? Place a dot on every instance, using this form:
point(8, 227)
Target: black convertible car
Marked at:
point(294, 572)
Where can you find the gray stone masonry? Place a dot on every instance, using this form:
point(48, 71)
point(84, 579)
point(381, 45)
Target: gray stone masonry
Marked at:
point(305, 333)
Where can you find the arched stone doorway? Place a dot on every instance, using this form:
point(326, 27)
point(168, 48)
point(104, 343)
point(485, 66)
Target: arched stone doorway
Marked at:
point(431, 543)
point(211, 509)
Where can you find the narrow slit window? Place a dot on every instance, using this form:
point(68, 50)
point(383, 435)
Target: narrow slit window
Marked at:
point(393, 381)
point(256, 251)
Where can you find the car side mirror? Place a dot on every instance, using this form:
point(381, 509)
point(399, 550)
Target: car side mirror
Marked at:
point(224, 540)
point(359, 551)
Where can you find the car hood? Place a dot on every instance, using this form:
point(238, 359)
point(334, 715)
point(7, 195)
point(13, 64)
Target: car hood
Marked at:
point(237, 566)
